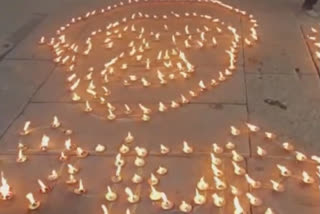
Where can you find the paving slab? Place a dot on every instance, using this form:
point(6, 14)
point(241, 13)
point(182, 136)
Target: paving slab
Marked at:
point(281, 48)
point(169, 129)
point(19, 80)
point(287, 105)
point(297, 197)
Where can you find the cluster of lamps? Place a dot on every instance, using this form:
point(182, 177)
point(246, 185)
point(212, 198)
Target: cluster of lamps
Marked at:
point(168, 64)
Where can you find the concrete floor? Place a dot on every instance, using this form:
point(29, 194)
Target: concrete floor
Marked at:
point(281, 68)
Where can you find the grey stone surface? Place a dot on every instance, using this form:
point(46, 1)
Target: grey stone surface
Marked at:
point(298, 94)
point(18, 81)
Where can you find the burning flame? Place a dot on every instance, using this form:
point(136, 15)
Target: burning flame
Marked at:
point(186, 148)
point(44, 142)
point(5, 192)
point(253, 128)
point(234, 131)
point(155, 195)
point(284, 171)
point(55, 123)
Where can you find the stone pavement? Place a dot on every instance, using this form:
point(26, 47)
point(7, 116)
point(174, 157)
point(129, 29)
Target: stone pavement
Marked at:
point(275, 86)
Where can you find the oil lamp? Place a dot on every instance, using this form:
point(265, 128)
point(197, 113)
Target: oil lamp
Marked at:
point(132, 198)
point(104, 209)
point(43, 187)
point(261, 152)
point(124, 149)
point(276, 186)
point(163, 149)
point(269, 211)
point(153, 180)
point(80, 190)
point(145, 117)
point(236, 156)
point(136, 179)
point(33, 204)
point(217, 149)
point(219, 201)
point(301, 157)
point(141, 152)
point(53, 176)
point(202, 184)
point(284, 171)
point(185, 207)
point(253, 128)
point(230, 145)
point(81, 153)
point(44, 143)
point(110, 195)
point(253, 183)
point(100, 148)
point(88, 107)
point(5, 190)
point(234, 131)
point(237, 169)
point(306, 178)
point(254, 201)
point(165, 203)
point(139, 162)
point(216, 171)
point(215, 160)
point(162, 170)
point(72, 170)
point(129, 138)
point(186, 148)
point(220, 185)
point(71, 179)
point(117, 177)
point(26, 129)
point(55, 123)
point(199, 199)
point(21, 157)
point(119, 160)
point(238, 209)
point(154, 195)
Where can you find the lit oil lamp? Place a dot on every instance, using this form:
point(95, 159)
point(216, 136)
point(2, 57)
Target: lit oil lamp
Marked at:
point(174, 104)
point(141, 152)
point(21, 157)
point(162, 170)
point(55, 123)
point(127, 109)
point(129, 138)
point(26, 129)
point(80, 190)
point(254, 201)
point(53, 175)
point(236, 156)
point(33, 204)
point(72, 170)
point(63, 157)
point(153, 180)
point(215, 160)
point(199, 199)
point(165, 203)
point(136, 179)
point(218, 201)
point(71, 180)
point(124, 149)
point(111, 115)
point(202, 184)
point(238, 209)
point(100, 148)
point(253, 128)
point(216, 171)
point(131, 197)
point(5, 190)
point(186, 148)
point(119, 160)
point(81, 153)
point(44, 143)
point(43, 187)
point(162, 107)
point(88, 107)
point(306, 178)
point(220, 185)
point(139, 162)
point(269, 211)
point(110, 195)
point(68, 145)
point(238, 170)
point(276, 186)
point(261, 152)
point(117, 177)
point(284, 171)
point(301, 157)
point(253, 183)
point(230, 145)
point(155, 195)
point(164, 150)
point(234, 131)
point(235, 191)
point(185, 207)
point(217, 149)
point(145, 117)
point(269, 135)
